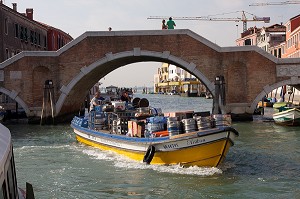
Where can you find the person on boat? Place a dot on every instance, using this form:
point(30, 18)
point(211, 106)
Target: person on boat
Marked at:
point(125, 97)
point(171, 24)
point(96, 101)
point(164, 26)
point(274, 100)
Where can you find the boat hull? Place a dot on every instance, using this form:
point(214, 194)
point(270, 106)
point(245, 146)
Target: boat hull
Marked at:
point(202, 148)
point(289, 117)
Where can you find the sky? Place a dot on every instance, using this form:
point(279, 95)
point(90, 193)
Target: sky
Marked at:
point(76, 17)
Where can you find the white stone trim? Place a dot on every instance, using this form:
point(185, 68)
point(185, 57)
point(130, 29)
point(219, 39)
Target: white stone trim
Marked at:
point(14, 95)
point(288, 70)
point(136, 52)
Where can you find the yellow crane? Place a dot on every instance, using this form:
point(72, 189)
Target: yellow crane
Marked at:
point(243, 18)
point(275, 3)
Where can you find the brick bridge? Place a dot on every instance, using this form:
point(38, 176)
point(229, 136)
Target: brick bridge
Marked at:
point(250, 73)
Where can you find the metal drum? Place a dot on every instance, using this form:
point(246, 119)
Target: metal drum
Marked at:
point(189, 125)
point(174, 127)
point(154, 127)
point(172, 119)
point(99, 123)
point(203, 122)
point(222, 120)
point(115, 126)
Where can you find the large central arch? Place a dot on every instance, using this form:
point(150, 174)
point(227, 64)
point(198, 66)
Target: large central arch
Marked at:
point(110, 62)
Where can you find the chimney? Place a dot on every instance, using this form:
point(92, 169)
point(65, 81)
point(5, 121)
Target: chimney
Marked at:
point(29, 13)
point(14, 6)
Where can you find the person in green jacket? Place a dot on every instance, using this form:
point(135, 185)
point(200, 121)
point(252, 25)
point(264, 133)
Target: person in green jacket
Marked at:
point(171, 23)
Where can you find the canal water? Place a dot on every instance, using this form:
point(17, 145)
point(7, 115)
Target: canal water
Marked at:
point(263, 163)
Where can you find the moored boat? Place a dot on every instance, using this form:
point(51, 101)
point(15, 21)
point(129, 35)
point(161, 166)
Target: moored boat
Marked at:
point(2, 113)
point(286, 114)
point(147, 136)
point(8, 179)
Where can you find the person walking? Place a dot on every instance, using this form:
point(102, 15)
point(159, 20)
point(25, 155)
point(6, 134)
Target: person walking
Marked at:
point(171, 24)
point(164, 26)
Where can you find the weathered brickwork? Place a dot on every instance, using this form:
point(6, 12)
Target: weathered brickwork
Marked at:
point(76, 67)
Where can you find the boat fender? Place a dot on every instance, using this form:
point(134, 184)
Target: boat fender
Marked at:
point(229, 128)
point(149, 154)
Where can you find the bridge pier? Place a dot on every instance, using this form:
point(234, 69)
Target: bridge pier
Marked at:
point(239, 111)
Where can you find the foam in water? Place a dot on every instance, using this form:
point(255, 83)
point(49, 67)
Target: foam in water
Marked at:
point(123, 162)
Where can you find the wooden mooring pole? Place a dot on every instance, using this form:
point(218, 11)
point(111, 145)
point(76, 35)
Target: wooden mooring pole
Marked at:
point(48, 103)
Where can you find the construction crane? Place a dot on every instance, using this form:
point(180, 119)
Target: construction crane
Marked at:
point(275, 3)
point(243, 18)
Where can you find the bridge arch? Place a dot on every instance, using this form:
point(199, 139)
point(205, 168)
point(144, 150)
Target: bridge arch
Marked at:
point(269, 88)
point(14, 95)
point(113, 61)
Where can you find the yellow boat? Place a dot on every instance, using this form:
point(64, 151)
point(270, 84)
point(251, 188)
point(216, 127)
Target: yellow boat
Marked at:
point(204, 147)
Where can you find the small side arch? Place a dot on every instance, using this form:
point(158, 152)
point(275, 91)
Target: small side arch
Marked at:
point(270, 88)
point(14, 95)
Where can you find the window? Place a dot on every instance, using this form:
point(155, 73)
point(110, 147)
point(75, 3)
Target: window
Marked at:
point(25, 34)
point(31, 37)
point(45, 41)
point(17, 30)
point(39, 39)
point(21, 32)
point(6, 53)
point(279, 53)
point(53, 42)
point(58, 42)
point(35, 38)
point(6, 26)
point(275, 53)
point(247, 42)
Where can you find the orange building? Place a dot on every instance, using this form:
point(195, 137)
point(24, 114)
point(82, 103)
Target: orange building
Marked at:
point(291, 47)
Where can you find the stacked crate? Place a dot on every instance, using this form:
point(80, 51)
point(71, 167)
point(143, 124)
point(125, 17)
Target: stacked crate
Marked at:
point(122, 121)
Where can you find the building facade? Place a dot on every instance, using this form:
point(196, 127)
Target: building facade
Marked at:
point(173, 79)
point(266, 38)
point(248, 38)
point(291, 46)
point(20, 32)
point(282, 41)
point(56, 38)
point(271, 36)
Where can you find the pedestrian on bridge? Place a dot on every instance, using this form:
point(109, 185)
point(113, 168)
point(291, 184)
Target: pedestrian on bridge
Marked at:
point(171, 24)
point(164, 26)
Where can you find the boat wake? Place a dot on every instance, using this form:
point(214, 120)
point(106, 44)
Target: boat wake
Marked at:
point(123, 162)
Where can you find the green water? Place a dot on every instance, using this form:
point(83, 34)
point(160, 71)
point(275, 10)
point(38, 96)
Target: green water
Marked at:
point(263, 163)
